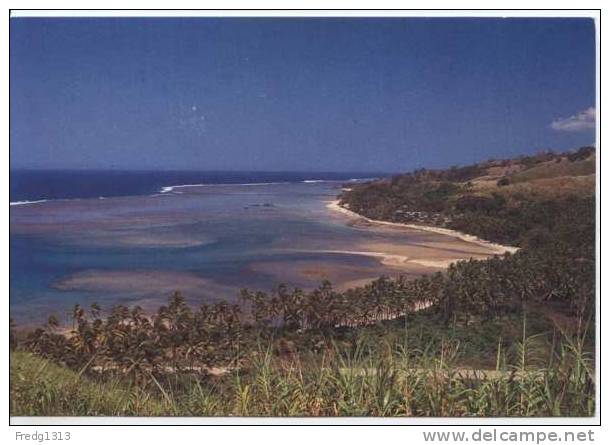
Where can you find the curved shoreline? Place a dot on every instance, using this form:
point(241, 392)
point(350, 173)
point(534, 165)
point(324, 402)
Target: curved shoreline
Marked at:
point(497, 249)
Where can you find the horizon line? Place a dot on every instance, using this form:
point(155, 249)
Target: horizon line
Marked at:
point(13, 169)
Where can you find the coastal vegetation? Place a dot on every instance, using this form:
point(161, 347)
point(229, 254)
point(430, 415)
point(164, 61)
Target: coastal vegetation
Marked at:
point(505, 201)
point(379, 375)
point(511, 335)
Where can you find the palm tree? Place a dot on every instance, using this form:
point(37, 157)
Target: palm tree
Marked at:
point(52, 322)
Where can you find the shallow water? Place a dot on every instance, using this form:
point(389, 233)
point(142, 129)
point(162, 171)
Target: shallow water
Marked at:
point(207, 241)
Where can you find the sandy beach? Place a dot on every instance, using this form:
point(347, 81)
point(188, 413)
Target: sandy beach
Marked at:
point(407, 256)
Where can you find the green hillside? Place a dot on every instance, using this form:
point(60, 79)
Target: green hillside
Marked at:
point(507, 201)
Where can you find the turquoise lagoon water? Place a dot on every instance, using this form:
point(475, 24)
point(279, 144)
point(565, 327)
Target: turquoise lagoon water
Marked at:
point(208, 241)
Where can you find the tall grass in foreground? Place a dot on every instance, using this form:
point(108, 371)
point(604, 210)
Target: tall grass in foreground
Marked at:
point(364, 379)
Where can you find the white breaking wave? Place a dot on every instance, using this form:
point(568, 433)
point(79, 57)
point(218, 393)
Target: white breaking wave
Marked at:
point(361, 179)
point(22, 203)
point(170, 188)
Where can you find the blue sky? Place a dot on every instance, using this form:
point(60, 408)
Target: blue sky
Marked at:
point(296, 94)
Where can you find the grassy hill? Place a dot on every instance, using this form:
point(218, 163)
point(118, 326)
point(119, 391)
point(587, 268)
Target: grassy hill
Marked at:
point(388, 376)
point(497, 200)
point(39, 387)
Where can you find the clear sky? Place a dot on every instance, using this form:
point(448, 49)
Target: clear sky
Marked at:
point(296, 94)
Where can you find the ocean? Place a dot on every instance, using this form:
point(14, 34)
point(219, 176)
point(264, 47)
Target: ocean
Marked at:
point(36, 185)
point(134, 237)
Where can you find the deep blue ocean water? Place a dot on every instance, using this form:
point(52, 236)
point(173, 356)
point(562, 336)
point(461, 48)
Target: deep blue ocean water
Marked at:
point(33, 185)
point(135, 237)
